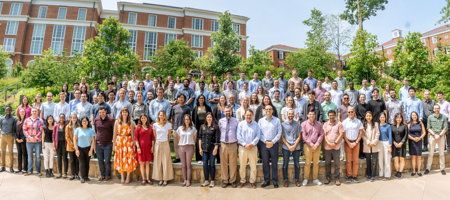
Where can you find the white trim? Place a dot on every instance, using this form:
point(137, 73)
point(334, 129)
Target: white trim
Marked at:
point(149, 8)
point(438, 33)
point(213, 15)
point(109, 13)
point(20, 18)
point(152, 29)
point(24, 1)
point(62, 22)
point(72, 3)
point(197, 32)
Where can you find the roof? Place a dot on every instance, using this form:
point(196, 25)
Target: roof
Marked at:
point(438, 30)
point(281, 47)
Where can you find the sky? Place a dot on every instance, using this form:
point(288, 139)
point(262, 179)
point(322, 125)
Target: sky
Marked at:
point(280, 21)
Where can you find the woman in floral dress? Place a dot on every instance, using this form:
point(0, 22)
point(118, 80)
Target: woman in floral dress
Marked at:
point(124, 149)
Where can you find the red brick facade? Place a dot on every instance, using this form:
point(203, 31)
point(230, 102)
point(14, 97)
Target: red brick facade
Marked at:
point(278, 54)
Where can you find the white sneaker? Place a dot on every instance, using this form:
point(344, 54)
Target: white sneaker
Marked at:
point(200, 162)
point(305, 182)
point(317, 182)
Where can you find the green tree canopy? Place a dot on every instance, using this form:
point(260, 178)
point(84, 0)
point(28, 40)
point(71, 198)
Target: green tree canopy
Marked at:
point(175, 55)
point(445, 13)
point(258, 62)
point(441, 74)
point(225, 52)
point(358, 11)
point(109, 53)
point(3, 68)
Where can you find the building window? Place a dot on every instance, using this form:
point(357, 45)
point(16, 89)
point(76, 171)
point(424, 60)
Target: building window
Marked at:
point(9, 44)
point(152, 20)
point(42, 13)
point(197, 23)
point(172, 22)
point(239, 47)
point(79, 33)
point(214, 25)
point(132, 18)
point(435, 51)
point(280, 55)
point(447, 50)
point(16, 9)
point(1, 7)
point(37, 40)
point(169, 37)
point(62, 11)
point(197, 41)
point(11, 28)
point(58, 39)
point(150, 45)
point(237, 28)
point(82, 12)
point(133, 39)
point(434, 40)
point(199, 54)
point(9, 66)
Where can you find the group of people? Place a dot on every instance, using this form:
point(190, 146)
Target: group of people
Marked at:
point(133, 122)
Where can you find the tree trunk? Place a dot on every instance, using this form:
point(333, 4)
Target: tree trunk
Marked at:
point(360, 20)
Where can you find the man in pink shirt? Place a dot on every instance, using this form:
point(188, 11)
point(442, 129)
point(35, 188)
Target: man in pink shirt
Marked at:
point(312, 134)
point(32, 129)
point(334, 132)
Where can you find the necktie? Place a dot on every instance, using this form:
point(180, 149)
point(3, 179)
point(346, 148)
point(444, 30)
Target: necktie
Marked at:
point(227, 129)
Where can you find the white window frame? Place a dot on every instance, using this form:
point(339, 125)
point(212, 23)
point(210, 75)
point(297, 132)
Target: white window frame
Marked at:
point(37, 39)
point(9, 45)
point(11, 28)
point(16, 9)
point(214, 25)
point(59, 32)
point(82, 14)
point(237, 28)
point(132, 16)
point(168, 37)
point(174, 22)
point(447, 50)
point(62, 13)
point(435, 51)
point(79, 34)
point(198, 53)
point(434, 39)
point(1, 7)
point(280, 55)
point(152, 23)
point(150, 45)
point(42, 12)
point(197, 44)
point(133, 39)
point(197, 23)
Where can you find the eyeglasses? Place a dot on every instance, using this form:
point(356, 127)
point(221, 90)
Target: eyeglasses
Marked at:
point(351, 112)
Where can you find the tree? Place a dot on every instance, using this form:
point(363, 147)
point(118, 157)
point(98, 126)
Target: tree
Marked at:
point(411, 58)
point(172, 57)
point(224, 54)
point(315, 56)
point(3, 68)
point(339, 34)
point(109, 53)
point(445, 13)
point(364, 62)
point(258, 62)
point(358, 11)
point(441, 73)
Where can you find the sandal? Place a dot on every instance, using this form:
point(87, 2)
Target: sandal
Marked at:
point(160, 183)
point(143, 182)
point(149, 182)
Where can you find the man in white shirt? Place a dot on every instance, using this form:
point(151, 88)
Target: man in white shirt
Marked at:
point(48, 107)
point(133, 83)
point(61, 108)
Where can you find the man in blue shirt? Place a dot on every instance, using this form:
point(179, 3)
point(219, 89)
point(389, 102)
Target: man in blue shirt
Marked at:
point(159, 104)
point(312, 82)
point(188, 92)
point(248, 133)
point(291, 139)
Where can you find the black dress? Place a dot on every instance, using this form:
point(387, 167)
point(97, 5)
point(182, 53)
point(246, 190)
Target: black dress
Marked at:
point(415, 148)
point(399, 134)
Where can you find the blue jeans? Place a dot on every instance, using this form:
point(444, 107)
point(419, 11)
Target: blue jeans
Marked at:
point(104, 152)
point(286, 155)
point(37, 147)
point(269, 156)
point(209, 166)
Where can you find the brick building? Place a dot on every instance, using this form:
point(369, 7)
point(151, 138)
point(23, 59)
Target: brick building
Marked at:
point(28, 27)
point(278, 54)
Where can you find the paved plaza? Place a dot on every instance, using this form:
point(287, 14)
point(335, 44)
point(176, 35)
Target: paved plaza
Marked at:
point(18, 187)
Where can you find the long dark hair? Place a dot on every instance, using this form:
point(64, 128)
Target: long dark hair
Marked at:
point(48, 124)
point(146, 123)
point(372, 123)
point(213, 120)
point(87, 119)
point(395, 119)
point(198, 98)
point(184, 123)
point(414, 112)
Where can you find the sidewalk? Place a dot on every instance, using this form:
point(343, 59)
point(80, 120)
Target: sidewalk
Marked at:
point(18, 187)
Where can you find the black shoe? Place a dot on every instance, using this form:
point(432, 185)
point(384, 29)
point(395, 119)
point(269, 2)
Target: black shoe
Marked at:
point(11, 170)
point(101, 179)
point(427, 171)
point(265, 184)
point(107, 178)
point(443, 172)
point(82, 180)
point(275, 185)
point(177, 160)
point(47, 173)
point(51, 173)
point(419, 174)
point(234, 185)
point(72, 178)
point(224, 185)
point(413, 173)
point(327, 181)
point(2, 169)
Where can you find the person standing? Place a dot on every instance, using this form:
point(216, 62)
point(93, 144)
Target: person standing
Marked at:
point(162, 164)
point(32, 129)
point(384, 156)
point(104, 129)
point(371, 136)
point(8, 132)
point(158, 104)
point(376, 105)
point(59, 143)
point(209, 141)
point(412, 104)
point(353, 128)
point(428, 105)
point(22, 161)
point(399, 135)
point(186, 135)
point(101, 103)
point(84, 140)
point(145, 139)
point(124, 149)
point(188, 93)
point(404, 90)
point(445, 110)
point(437, 128)
point(139, 108)
point(199, 118)
point(267, 81)
point(312, 133)
point(176, 115)
point(70, 146)
point(268, 143)
point(352, 93)
point(61, 107)
point(341, 81)
point(248, 135)
point(327, 106)
point(48, 107)
point(333, 134)
point(336, 94)
point(366, 91)
point(291, 137)
point(120, 104)
point(48, 148)
point(228, 148)
point(416, 133)
point(23, 104)
point(310, 80)
point(313, 105)
point(393, 106)
point(84, 108)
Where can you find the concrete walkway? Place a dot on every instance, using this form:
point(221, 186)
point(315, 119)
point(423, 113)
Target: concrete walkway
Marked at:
point(18, 187)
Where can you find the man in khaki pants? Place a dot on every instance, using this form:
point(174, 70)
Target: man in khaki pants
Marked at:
point(228, 148)
point(8, 131)
point(437, 129)
point(248, 132)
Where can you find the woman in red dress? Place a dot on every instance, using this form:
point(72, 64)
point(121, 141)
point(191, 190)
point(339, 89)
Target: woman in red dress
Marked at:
point(144, 142)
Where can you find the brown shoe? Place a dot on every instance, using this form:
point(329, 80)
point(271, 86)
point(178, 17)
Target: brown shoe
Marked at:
point(338, 183)
point(234, 185)
point(224, 185)
point(253, 185)
point(242, 185)
point(298, 184)
point(286, 184)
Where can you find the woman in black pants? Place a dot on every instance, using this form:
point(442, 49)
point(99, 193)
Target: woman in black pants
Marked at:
point(59, 143)
point(22, 161)
point(84, 140)
point(70, 147)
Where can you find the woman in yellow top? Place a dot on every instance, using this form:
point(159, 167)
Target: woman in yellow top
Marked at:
point(124, 149)
point(70, 147)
